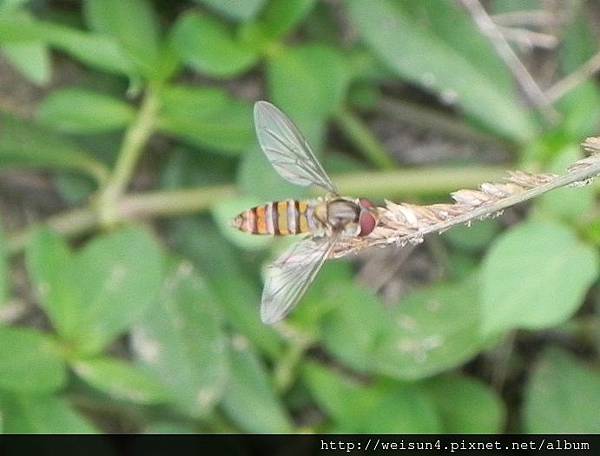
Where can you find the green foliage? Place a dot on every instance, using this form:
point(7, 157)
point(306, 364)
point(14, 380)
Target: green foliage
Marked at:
point(430, 57)
point(32, 59)
point(30, 362)
point(130, 328)
point(535, 276)
point(83, 111)
point(467, 406)
point(194, 114)
point(249, 399)
point(207, 46)
point(97, 294)
point(235, 9)
point(562, 396)
point(120, 380)
point(24, 144)
point(183, 333)
point(35, 414)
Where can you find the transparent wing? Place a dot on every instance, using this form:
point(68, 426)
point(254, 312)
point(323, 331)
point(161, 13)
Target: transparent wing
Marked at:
point(290, 275)
point(286, 148)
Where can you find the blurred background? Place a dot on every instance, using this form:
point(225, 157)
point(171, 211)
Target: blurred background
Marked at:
point(128, 304)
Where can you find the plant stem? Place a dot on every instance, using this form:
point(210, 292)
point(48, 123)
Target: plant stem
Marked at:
point(364, 140)
point(172, 203)
point(135, 139)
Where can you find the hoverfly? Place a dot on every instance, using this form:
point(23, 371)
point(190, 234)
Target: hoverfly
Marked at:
point(325, 220)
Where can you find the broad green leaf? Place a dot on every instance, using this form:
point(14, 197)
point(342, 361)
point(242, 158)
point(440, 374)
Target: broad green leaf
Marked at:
point(83, 111)
point(219, 263)
point(121, 380)
point(183, 333)
point(535, 276)
point(206, 45)
point(4, 270)
point(30, 361)
point(467, 406)
point(473, 238)
point(249, 399)
point(224, 213)
point(419, 55)
point(98, 51)
point(240, 10)
point(207, 118)
point(451, 24)
point(50, 268)
point(31, 59)
point(308, 81)
point(133, 23)
point(170, 427)
point(428, 332)
point(563, 396)
point(568, 204)
point(119, 276)
point(433, 330)
point(280, 16)
point(383, 407)
point(353, 328)
point(581, 104)
point(24, 144)
point(40, 414)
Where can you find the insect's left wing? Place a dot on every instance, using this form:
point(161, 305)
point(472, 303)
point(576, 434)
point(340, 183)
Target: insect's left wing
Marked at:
point(290, 275)
point(287, 150)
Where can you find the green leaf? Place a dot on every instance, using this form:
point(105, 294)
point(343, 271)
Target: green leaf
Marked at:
point(38, 414)
point(82, 111)
point(32, 60)
point(183, 333)
point(281, 16)
point(581, 104)
point(417, 53)
point(29, 361)
point(467, 406)
point(98, 51)
point(433, 330)
point(250, 400)
point(24, 144)
point(240, 10)
point(473, 238)
point(207, 118)
point(119, 276)
point(535, 276)
point(121, 380)
point(385, 407)
point(362, 315)
point(308, 81)
point(568, 204)
point(428, 332)
point(49, 264)
point(563, 396)
point(133, 23)
point(236, 293)
point(4, 270)
point(206, 45)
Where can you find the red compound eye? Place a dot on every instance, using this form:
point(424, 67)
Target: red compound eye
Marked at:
point(364, 202)
point(367, 222)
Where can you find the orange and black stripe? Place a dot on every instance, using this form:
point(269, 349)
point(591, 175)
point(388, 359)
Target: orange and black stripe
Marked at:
point(279, 218)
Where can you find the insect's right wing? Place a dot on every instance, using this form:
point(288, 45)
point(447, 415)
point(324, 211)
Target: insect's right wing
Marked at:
point(290, 275)
point(287, 150)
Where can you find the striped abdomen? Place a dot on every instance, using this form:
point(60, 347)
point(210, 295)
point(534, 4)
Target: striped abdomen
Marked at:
point(278, 218)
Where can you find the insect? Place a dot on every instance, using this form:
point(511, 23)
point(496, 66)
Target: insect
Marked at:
point(324, 220)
